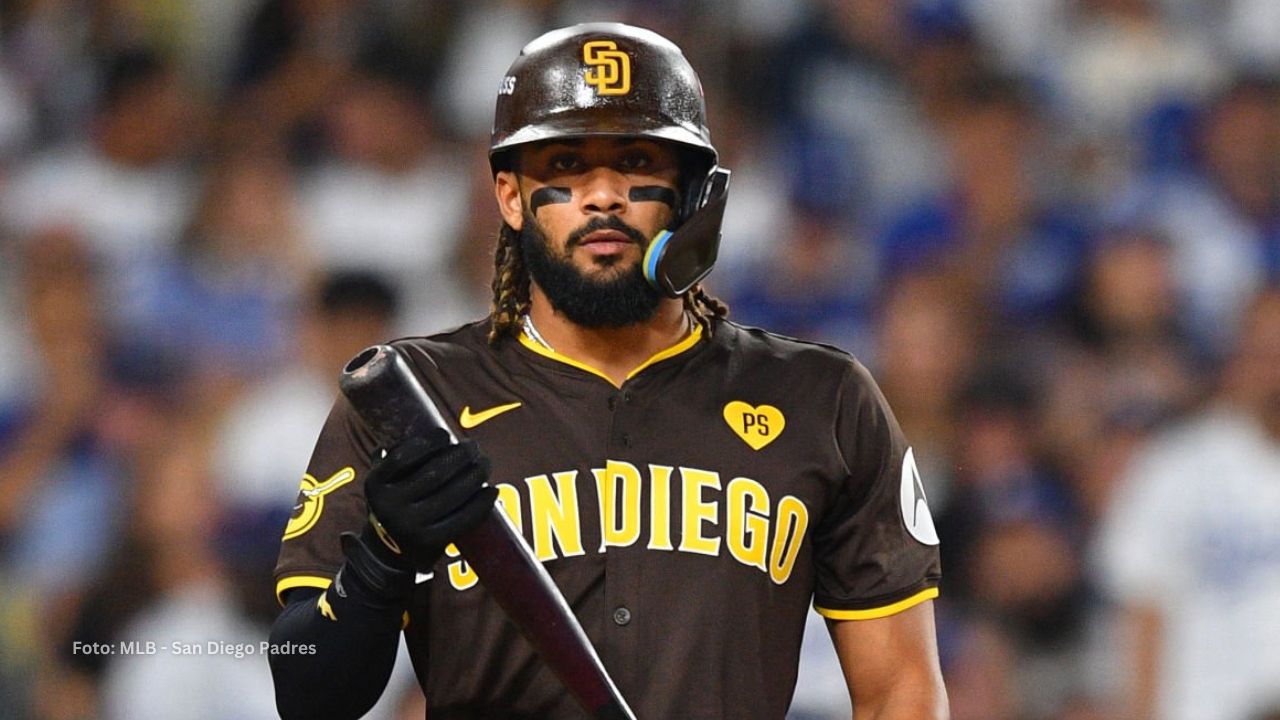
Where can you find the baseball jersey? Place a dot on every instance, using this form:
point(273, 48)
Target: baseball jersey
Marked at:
point(689, 516)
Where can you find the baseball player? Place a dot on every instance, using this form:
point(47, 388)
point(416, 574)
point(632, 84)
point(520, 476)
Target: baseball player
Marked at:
point(691, 485)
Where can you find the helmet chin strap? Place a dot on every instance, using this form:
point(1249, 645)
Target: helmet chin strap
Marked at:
point(677, 260)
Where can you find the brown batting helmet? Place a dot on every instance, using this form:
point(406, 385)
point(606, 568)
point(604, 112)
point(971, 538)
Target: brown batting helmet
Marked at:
point(599, 79)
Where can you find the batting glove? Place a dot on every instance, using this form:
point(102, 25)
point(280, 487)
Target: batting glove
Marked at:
point(424, 494)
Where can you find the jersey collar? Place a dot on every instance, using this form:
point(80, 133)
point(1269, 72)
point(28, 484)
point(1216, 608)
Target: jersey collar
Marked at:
point(688, 342)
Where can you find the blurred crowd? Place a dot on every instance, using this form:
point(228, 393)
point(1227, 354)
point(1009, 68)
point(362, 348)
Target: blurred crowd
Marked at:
point(1050, 227)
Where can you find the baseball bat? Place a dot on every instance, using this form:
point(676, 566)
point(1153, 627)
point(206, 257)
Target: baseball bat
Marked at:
point(388, 397)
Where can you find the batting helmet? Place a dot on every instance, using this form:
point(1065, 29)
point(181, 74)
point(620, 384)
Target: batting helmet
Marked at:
point(599, 79)
point(611, 79)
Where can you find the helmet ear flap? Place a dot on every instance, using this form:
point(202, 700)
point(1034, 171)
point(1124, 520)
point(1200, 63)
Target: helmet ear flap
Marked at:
point(695, 172)
point(677, 260)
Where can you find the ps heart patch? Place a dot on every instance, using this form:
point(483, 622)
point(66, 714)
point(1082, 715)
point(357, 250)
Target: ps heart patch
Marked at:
point(756, 425)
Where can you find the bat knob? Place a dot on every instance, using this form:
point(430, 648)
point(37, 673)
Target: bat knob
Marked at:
point(362, 359)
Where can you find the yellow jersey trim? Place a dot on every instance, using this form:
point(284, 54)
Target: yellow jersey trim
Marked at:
point(300, 581)
point(873, 613)
point(319, 583)
point(689, 341)
point(672, 351)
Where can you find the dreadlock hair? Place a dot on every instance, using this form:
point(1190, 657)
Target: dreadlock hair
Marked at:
point(511, 291)
point(510, 285)
point(704, 307)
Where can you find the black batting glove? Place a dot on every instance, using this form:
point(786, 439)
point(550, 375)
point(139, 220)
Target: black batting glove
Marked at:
point(423, 495)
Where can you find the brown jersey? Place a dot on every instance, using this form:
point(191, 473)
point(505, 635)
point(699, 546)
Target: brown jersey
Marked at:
point(689, 517)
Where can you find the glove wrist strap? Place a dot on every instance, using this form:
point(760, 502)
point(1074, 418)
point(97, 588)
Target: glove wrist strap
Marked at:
point(373, 571)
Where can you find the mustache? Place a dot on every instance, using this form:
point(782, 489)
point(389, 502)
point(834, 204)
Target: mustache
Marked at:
point(605, 223)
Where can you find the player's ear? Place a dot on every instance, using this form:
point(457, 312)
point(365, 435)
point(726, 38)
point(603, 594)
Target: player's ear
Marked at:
point(506, 187)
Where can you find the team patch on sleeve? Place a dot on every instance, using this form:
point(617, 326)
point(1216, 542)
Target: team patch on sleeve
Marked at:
point(310, 502)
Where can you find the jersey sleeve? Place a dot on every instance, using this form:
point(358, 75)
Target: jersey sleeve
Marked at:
point(330, 502)
point(875, 550)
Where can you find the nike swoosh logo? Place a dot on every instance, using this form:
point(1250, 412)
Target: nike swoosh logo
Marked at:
point(470, 420)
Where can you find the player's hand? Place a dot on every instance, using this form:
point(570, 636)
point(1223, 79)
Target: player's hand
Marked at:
point(425, 493)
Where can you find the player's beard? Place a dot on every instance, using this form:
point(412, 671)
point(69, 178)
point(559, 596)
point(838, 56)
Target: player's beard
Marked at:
point(621, 298)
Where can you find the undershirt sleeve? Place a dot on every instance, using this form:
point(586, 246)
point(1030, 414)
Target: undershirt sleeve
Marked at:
point(332, 653)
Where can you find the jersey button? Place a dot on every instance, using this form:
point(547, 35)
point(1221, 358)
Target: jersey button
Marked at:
point(625, 440)
point(622, 616)
point(613, 402)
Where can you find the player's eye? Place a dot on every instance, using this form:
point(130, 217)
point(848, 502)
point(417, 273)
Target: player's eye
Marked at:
point(634, 161)
point(565, 162)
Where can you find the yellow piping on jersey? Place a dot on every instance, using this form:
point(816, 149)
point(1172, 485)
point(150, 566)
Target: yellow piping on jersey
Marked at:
point(688, 342)
point(300, 581)
point(873, 613)
point(311, 581)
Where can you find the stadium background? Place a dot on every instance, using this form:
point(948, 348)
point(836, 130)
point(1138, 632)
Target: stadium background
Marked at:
point(1037, 221)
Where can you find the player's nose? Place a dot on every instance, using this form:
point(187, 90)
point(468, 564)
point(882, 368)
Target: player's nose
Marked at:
point(604, 191)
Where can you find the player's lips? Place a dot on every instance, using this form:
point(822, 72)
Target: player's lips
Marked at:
point(606, 242)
